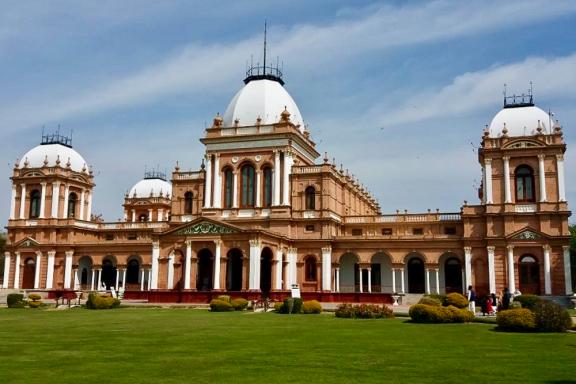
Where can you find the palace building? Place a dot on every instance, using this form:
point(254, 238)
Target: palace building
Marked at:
point(266, 211)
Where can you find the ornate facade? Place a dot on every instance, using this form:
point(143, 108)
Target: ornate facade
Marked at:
point(264, 213)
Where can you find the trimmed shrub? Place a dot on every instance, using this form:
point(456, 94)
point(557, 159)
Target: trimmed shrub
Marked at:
point(297, 305)
point(225, 298)
point(515, 305)
point(278, 307)
point(459, 315)
point(35, 304)
point(516, 320)
point(440, 298)
point(345, 311)
point(15, 300)
point(217, 305)
point(422, 313)
point(551, 317)
point(312, 306)
point(427, 300)
point(34, 297)
point(239, 304)
point(34, 300)
point(457, 300)
point(528, 301)
point(95, 301)
point(364, 311)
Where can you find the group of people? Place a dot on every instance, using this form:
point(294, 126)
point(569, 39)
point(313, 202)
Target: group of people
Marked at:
point(491, 303)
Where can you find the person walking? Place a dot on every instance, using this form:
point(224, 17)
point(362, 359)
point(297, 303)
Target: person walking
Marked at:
point(471, 299)
point(506, 299)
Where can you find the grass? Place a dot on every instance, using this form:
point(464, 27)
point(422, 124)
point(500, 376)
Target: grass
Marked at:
point(185, 345)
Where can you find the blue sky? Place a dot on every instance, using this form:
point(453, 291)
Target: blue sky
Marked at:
point(397, 91)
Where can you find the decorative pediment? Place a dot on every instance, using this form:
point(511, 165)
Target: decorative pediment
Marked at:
point(204, 227)
point(28, 243)
point(527, 234)
point(523, 144)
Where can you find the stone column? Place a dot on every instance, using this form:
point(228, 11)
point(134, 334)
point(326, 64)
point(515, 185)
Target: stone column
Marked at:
point(369, 269)
point(427, 281)
point(437, 281)
point(82, 203)
point(393, 280)
point(468, 266)
point(361, 280)
point(42, 200)
point(55, 199)
point(217, 183)
point(547, 277)
point(142, 278)
point(99, 279)
point(149, 279)
point(542, 178)
point(292, 258)
point(326, 268)
point(208, 181)
point(193, 272)
point(92, 279)
point(6, 270)
point(155, 257)
point(13, 203)
point(17, 270)
point(133, 215)
point(488, 179)
point(217, 261)
point(567, 270)
point(286, 177)
point(124, 278)
point(66, 197)
point(170, 282)
point(235, 190)
point(338, 279)
point(561, 185)
point(117, 279)
point(258, 188)
point(23, 201)
point(402, 286)
point(150, 214)
point(511, 277)
point(491, 271)
point(50, 270)
point(76, 279)
point(254, 276)
point(276, 197)
point(507, 190)
point(187, 264)
point(89, 208)
point(37, 270)
point(68, 269)
point(278, 270)
point(160, 214)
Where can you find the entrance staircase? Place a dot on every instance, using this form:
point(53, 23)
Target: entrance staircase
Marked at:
point(411, 298)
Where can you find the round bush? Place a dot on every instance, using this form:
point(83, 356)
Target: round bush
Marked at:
point(422, 313)
point(95, 301)
point(311, 306)
point(15, 300)
point(528, 301)
point(220, 306)
point(297, 305)
point(35, 304)
point(427, 300)
point(225, 298)
point(516, 320)
point(460, 315)
point(440, 298)
point(34, 297)
point(551, 317)
point(239, 304)
point(364, 311)
point(457, 300)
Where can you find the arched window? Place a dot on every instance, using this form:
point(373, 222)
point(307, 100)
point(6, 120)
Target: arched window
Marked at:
point(310, 268)
point(524, 184)
point(267, 174)
point(228, 187)
point(143, 217)
point(247, 186)
point(188, 203)
point(132, 272)
point(310, 194)
point(72, 199)
point(34, 204)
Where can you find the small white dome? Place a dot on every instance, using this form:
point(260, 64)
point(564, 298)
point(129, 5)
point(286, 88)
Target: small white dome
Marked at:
point(261, 98)
point(520, 121)
point(51, 153)
point(151, 187)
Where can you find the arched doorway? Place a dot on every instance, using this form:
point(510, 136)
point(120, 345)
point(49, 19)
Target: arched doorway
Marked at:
point(416, 275)
point(109, 272)
point(453, 275)
point(529, 275)
point(234, 270)
point(349, 278)
point(84, 272)
point(266, 271)
point(132, 274)
point(381, 273)
point(205, 270)
point(29, 273)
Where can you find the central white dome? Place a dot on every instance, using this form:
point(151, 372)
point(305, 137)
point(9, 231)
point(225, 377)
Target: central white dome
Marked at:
point(51, 153)
point(151, 188)
point(520, 121)
point(265, 99)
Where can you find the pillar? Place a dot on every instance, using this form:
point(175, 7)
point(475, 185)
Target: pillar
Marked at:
point(427, 281)
point(511, 277)
point(208, 185)
point(187, 264)
point(217, 183)
point(66, 196)
point(217, 262)
point(567, 270)
point(99, 279)
point(37, 270)
point(76, 284)
point(142, 278)
point(547, 277)
point(437, 281)
point(468, 266)
point(338, 279)
point(258, 188)
point(491, 271)
point(488, 180)
point(6, 269)
point(92, 279)
point(89, 208)
point(561, 184)
point(68, 269)
point(124, 278)
point(170, 282)
point(42, 200)
point(17, 271)
point(133, 215)
point(394, 280)
point(55, 199)
point(402, 287)
point(23, 201)
point(542, 178)
point(160, 214)
point(286, 178)
point(149, 214)
point(369, 269)
point(117, 279)
point(292, 258)
point(278, 270)
point(276, 197)
point(361, 282)
point(507, 190)
point(13, 204)
point(254, 276)
point(155, 257)
point(50, 270)
point(82, 203)
point(326, 268)
point(235, 192)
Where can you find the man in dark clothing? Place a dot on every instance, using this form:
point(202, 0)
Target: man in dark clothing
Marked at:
point(506, 299)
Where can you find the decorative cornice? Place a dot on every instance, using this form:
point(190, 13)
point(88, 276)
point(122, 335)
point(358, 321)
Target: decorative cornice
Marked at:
point(204, 228)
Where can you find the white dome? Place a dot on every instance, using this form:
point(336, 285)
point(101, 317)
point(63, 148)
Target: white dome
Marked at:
point(261, 98)
point(51, 152)
point(151, 187)
point(520, 121)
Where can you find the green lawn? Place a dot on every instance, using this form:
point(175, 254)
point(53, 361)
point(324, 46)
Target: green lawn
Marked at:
point(195, 346)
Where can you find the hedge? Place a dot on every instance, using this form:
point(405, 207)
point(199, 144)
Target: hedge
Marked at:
point(516, 320)
point(551, 317)
point(95, 301)
point(427, 300)
point(15, 300)
point(239, 304)
point(364, 311)
point(217, 305)
point(457, 300)
point(528, 301)
point(423, 313)
point(311, 307)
